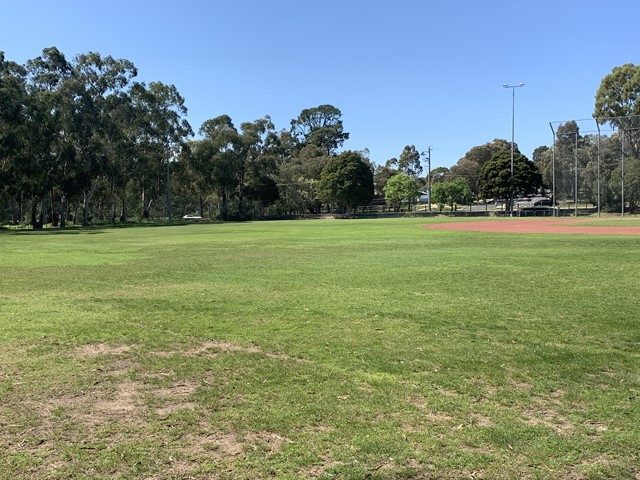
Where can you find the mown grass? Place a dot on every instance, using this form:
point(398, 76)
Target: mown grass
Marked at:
point(318, 349)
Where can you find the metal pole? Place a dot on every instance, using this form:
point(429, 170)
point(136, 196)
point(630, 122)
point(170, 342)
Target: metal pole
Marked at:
point(598, 125)
point(622, 169)
point(168, 192)
point(553, 171)
point(429, 175)
point(513, 122)
point(575, 186)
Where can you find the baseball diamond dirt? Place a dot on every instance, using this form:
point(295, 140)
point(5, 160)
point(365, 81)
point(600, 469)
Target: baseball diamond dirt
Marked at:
point(539, 225)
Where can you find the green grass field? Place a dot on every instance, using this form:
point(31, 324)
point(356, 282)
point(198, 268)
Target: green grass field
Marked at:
point(350, 349)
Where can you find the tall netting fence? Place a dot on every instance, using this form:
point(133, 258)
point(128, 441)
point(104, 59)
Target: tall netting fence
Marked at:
point(593, 166)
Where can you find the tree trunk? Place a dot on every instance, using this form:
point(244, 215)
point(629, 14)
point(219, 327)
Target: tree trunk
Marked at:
point(123, 208)
point(88, 194)
point(54, 215)
point(63, 211)
point(34, 212)
point(145, 209)
point(85, 209)
point(37, 220)
point(223, 206)
point(15, 211)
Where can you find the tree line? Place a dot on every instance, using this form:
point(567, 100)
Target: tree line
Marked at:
point(82, 140)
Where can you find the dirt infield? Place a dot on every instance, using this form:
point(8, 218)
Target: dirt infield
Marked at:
point(538, 225)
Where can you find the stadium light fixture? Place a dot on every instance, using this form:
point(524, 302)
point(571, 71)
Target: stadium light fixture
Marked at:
point(513, 122)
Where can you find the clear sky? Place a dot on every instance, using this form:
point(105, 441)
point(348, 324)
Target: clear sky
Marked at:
point(421, 72)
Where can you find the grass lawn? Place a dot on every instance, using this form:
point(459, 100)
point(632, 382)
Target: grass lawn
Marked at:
point(350, 349)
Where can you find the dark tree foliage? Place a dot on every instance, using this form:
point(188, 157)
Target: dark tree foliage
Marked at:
point(409, 161)
point(320, 126)
point(470, 166)
point(618, 103)
point(347, 181)
point(82, 132)
point(495, 179)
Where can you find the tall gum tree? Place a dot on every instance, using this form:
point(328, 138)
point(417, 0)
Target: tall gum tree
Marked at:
point(320, 126)
point(13, 132)
point(618, 103)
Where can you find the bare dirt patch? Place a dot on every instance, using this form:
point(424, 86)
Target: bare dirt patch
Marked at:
point(539, 415)
point(224, 445)
point(101, 349)
point(175, 398)
point(537, 225)
point(213, 348)
point(480, 420)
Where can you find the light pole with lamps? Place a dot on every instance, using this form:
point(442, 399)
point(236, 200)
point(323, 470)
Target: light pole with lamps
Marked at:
point(513, 122)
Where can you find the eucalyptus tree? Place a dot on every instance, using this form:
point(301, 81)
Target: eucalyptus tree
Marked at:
point(123, 137)
point(321, 126)
point(618, 103)
point(382, 174)
point(298, 179)
point(409, 161)
point(77, 94)
point(258, 163)
point(631, 185)
point(218, 153)
point(50, 121)
point(13, 125)
point(161, 132)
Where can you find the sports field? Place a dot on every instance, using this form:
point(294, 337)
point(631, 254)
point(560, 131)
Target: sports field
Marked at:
point(347, 349)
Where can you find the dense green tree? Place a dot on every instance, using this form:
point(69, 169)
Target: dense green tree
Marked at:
point(452, 192)
point(618, 103)
point(347, 181)
point(382, 174)
point(631, 185)
point(86, 129)
point(320, 126)
point(496, 182)
point(13, 126)
point(440, 174)
point(409, 161)
point(400, 188)
point(470, 166)
point(298, 178)
point(259, 148)
point(220, 153)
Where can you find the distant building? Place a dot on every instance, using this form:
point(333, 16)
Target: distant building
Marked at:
point(424, 197)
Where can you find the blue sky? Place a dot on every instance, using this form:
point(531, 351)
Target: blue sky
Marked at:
point(403, 72)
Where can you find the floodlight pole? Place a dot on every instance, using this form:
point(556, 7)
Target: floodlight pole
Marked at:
point(553, 172)
point(575, 188)
point(168, 191)
point(598, 125)
point(622, 169)
point(429, 176)
point(513, 122)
